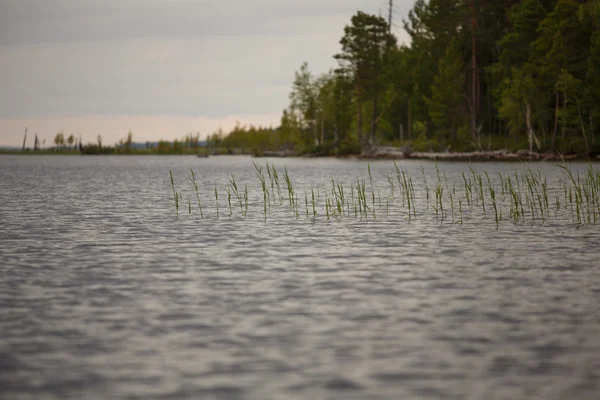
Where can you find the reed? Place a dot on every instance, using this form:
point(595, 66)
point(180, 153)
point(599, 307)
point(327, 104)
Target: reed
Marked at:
point(270, 178)
point(217, 200)
point(234, 189)
point(175, 196)
point(426, 187)
point(391, 183)
point(306, 203)
point(452, 207)
point(493, 198)
point(261, 177)
point(245, 200)
point(523, 196)
point(276, 179)
point(314, 210)
point(192, 178)
point(290, 187)
point(228, 191)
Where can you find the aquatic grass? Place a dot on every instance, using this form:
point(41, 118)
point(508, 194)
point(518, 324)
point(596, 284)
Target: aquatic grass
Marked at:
point(493, 198)
point(234, 189)
point(522, 196)
point(426, 187)
point(452, 207)
point(313, 202)
point(276, 178)
point(337, 191)
point(261, 177)
point(195, 184)
point(217, 200)
point(391, 183)
point(370, 175)
point(272, 181)
point(175, 196)
point(306, 203)
point(245, 200)
point(468, 192)
point(228, 191)
point(290, 187)
point(407, 191)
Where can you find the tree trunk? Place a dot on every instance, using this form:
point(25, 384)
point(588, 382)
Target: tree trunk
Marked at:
point(409, 125)
point(563, 134)
point(322, 130)
point(474, 132)
point(335, 136)
point(530, 133)
point(585, 139)
point(592, 130)
point(373, 122)
point(359, 121)
point(490, 112)
point(24, 140)
point(555, 121)
point(453, 127)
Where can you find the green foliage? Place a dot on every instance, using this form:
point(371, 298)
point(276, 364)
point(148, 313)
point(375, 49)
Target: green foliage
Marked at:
point(446, 100)
point(365, 47)
point(476, 74)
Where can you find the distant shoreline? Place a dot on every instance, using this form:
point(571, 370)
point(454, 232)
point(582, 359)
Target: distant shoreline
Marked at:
point(394, 153)
point(382, 153)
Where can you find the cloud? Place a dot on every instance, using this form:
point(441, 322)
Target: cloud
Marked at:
point(181, 58)
point(189, 77)
point(40, 21)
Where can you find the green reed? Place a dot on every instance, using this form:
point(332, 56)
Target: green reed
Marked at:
point(522, 196)
point(314, 210)
point(175, 196)
point(234, 189)
point(195, 184)
point(263, 183)
point(217, 200)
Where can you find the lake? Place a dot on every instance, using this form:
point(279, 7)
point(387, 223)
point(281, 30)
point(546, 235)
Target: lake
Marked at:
point(106, 293)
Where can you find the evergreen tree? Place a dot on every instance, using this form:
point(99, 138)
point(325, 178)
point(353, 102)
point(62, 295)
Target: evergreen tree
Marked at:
point(364, 48)
point(447, 99)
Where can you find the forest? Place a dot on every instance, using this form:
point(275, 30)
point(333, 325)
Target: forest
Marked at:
point(476, 75)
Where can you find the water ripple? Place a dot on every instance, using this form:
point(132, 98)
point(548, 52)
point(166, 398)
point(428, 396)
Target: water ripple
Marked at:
point(103, 294)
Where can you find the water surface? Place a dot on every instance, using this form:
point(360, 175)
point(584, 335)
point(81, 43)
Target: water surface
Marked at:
point(105, 294)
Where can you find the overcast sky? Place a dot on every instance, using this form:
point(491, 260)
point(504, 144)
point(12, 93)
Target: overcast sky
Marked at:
point(161, 68)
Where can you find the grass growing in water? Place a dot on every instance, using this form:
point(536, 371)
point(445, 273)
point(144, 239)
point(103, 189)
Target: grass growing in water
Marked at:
point(175, 196)
point(195, 184)
point(520, 197)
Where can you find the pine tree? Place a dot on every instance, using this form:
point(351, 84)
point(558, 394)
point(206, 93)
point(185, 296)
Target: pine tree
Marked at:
point(447, 90)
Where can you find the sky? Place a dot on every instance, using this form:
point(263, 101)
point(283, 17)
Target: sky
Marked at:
point(161, 68)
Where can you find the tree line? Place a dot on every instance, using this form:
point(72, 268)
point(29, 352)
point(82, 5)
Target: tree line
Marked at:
point(190, 144)
point(476, 75)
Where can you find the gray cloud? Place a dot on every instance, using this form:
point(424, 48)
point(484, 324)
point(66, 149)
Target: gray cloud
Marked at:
point(212, 58)
point(41, 21)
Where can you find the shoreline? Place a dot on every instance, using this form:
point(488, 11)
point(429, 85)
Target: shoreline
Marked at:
point(393, 153)
point(381, 153)
point(480, 156)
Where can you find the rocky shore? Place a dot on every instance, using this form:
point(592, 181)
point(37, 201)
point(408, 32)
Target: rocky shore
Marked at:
point(404, 153)
point(395, 153)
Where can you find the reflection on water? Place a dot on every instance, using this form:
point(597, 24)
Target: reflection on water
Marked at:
point(103, 293)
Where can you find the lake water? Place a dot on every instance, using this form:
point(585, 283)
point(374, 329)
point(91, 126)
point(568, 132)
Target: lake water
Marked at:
point(104, 293)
